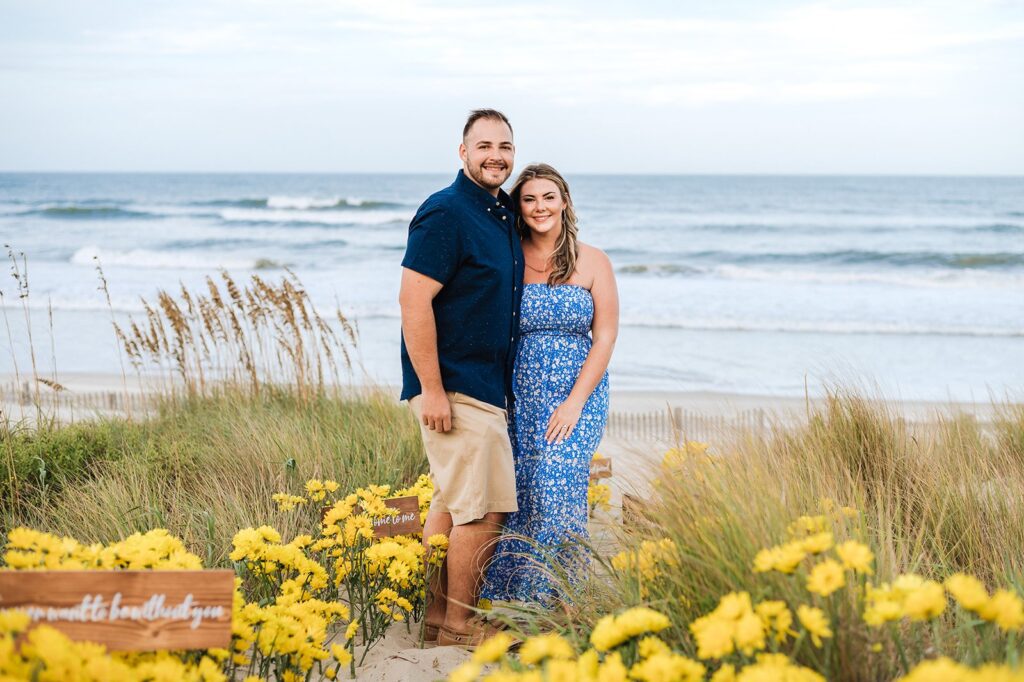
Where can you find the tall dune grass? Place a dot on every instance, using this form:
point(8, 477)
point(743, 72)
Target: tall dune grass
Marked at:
point(932, 500)
point(252, 400)
point(254, 335)
point(203, 468)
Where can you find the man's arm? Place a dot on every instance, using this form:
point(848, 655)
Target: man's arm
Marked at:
point(419, 328)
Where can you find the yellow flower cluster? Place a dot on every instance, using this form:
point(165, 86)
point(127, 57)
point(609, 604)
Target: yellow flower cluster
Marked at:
point(47, 655)
point(599, 496)
point(157, 550)
point(689, 452)
point(438, 545)
point(732, 626)
point(288, 595)
point(746, 641)
point(689, 459)
point(263, 553)
point(815, 622)
point(947, 670)
point(285, 637)
point(1004, 608)
point(400, 558)
point(767, 668)
point(611, 631)
point(826, 577)
point(810, 536)
point(648, 562)
point(543, 647)
point(291, 633)
point(909, 595)
point(382, 579)
point(913, 597)
point(286, 502)
point(423, 489)
point(612, 657)
point(317, 489)
point(737, 625)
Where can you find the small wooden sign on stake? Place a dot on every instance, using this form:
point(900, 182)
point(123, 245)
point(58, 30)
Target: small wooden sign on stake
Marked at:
point(600, 467)
point(405, 522)
point(127, 610)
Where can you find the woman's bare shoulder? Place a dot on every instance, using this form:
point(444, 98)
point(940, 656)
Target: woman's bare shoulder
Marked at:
point(592, 257)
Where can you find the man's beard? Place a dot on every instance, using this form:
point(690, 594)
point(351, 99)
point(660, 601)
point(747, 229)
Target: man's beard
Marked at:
point(478, 175)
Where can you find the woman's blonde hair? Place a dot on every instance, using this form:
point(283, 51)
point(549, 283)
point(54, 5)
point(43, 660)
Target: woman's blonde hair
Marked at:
point(567, 249)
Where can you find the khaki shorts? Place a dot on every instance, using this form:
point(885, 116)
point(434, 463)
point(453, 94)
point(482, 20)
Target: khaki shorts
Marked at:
point(471, 465)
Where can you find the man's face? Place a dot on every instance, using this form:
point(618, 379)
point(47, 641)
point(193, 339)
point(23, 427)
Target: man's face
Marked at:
point(487, 153)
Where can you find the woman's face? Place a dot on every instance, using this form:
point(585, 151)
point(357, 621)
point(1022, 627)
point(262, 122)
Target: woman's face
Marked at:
point(540, 205)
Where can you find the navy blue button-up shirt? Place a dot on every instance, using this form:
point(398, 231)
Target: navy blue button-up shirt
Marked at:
point(464, 238)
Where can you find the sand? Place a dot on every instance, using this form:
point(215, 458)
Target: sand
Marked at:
point(398, 658)
point(99, 390)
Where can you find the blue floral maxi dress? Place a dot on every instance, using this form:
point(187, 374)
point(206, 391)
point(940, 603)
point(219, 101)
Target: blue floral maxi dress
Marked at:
point(543, 538)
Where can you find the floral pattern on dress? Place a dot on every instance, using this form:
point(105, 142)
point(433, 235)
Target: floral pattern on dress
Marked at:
point(544, 536)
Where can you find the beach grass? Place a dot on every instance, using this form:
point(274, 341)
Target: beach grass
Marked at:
point(253, 397)
point(202, 467)
point(932, 500)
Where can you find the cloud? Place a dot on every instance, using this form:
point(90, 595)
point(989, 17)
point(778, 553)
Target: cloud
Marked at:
point(817, 51)
point(579, 53)
point(223, 39)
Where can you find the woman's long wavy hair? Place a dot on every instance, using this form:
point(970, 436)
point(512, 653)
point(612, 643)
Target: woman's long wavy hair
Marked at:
point(567, 249)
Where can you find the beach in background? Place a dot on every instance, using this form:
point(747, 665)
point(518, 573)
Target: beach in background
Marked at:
point(749, 285)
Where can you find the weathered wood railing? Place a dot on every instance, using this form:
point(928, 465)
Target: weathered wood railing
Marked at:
point(677, 424)
point(48, 398)
point(669, 424)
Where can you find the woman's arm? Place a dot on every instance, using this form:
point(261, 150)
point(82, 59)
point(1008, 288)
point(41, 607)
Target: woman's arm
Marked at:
point(604, 329)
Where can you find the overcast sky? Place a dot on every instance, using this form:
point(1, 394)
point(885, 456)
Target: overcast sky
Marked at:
point(384, 85)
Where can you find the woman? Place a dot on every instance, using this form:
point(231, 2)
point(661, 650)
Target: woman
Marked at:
point(568, 324)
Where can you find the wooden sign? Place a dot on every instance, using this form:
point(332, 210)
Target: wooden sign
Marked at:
point(405, 522)
point(127, 610)
point(600, 467)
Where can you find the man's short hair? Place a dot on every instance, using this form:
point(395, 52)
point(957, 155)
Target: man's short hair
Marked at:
point(478, 114)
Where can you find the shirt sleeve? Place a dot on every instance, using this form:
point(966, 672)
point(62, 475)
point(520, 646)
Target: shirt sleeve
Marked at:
point(433, 246)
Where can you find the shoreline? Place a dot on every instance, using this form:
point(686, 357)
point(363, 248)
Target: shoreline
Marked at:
point(713, 403)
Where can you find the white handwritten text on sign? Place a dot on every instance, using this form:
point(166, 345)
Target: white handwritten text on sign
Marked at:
point(127, 610)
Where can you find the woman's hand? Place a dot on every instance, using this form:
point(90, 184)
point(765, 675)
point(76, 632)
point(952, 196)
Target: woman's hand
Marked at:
point(563, 422)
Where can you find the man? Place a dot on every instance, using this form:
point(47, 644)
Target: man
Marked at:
point(462, 281)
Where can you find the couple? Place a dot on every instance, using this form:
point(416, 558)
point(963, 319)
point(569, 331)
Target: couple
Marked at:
point(499, 303)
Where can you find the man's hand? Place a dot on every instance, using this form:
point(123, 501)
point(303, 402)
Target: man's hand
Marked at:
point(436, 411)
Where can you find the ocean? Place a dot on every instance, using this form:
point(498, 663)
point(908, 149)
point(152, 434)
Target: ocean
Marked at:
point(908, 287)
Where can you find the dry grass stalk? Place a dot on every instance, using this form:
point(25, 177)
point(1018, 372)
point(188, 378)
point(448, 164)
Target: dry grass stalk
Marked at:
point(256, 336)
point(933, 499)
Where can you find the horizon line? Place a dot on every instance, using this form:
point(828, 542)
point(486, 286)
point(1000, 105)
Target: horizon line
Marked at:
point(584, 173)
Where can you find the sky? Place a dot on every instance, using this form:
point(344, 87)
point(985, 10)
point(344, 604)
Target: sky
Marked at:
point(684, 86)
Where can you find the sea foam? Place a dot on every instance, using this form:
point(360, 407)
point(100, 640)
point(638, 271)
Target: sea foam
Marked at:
point(289, 216)
point(146, 258)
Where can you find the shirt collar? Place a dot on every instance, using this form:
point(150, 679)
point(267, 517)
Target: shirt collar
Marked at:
point(479, 194)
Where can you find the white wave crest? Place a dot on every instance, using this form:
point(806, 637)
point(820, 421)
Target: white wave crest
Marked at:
point(256, 215)
point(921, 278)
point(838, 220)
point(302, 203)
point(86, 305)
point(145, 258)
point(815, 327)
